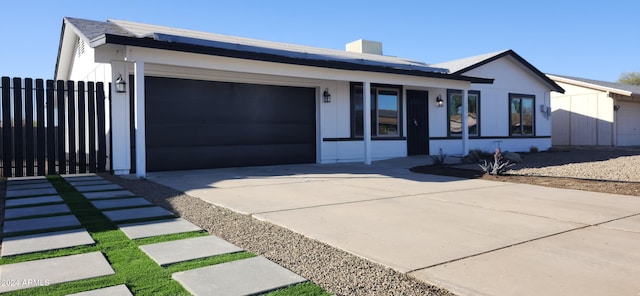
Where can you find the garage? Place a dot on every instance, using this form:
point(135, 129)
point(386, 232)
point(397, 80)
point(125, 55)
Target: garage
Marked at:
point(628, 127)
point(196, 124)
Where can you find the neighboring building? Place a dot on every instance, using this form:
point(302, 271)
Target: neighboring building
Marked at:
point(513, 113)
point(597, 113)
point(202, 100)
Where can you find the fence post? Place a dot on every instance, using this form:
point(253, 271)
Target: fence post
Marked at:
point(7, 135)
point(51, 129)
point(82, 143)
point(71, 122)
point(62, 157)
point(28, 126)
point(40, 132)
point(18, 141)
point(102, 143)
point(91, 111)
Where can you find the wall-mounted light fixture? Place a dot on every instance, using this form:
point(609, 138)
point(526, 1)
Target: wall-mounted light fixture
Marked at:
point(616, 107)
point(326, 96)
point(439, 101)
point(121, 85)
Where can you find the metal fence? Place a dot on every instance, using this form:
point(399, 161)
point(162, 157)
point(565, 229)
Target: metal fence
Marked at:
point(52, 127)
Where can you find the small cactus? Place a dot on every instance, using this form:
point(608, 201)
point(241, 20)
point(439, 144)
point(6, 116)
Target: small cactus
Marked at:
point(498, 166)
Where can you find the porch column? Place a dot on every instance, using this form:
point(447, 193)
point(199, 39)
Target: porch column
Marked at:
point(366, 110)
point(120, 123)
point(465, 122)
point(141, 147)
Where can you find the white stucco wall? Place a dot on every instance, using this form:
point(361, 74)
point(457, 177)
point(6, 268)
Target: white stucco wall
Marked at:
point(509, 77)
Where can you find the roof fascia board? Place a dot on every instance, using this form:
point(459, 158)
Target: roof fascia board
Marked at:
point(150, 43)
point(590, 85)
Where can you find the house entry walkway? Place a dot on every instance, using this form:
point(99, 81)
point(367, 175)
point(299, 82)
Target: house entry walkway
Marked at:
point(469, 236)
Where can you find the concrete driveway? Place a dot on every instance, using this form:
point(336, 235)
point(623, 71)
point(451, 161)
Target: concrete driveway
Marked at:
point(472, 237)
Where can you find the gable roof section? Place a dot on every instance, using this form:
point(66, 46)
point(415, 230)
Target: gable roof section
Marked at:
point(464, 65)
point(613, 87)
point(97, 33)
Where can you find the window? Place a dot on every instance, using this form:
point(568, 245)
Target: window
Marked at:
point(454, 113)
point(385, 111)
point(521, 115)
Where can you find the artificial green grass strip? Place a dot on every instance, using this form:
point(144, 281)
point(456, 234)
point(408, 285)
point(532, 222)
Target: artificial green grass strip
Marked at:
point(169, 237)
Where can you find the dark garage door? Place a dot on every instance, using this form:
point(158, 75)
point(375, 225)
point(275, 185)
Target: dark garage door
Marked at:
point(193, 124)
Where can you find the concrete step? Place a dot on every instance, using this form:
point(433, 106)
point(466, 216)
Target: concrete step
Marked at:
point(242, 277)
point(108, 194)
point(103, 187)
point(157, 227)
point(119, 290)
point(32, 243)
point(30, 192)
point(120, 203)
point(188, 249)
point(51, 271)
point(136, 213)
point(36, 210)
point(32, 200)
point(15, 226)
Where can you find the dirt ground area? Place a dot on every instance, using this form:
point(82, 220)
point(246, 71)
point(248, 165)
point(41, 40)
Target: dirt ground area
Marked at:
point(552, 168)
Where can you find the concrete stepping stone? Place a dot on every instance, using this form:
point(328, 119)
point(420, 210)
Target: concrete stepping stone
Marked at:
point(89, 182)
point(157, 227)
point(36, 210)
point(32, 200)
point(242, 277)
point(119, 290)
point(51, 271)
point(81, 177)
point(45, 223)
point(120, 203)
point(136, 213)
point(108, 194)
point(188, 249)
point(103, 187)
point(25, 180)
point(45, 241)
point(11, 187)
point(30, 192)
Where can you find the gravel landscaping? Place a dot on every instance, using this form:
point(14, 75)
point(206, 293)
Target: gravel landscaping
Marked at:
point(619, 164)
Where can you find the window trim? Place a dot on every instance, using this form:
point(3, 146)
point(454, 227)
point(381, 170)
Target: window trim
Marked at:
point(478, 99)
point(513, 96)
point(375, 88)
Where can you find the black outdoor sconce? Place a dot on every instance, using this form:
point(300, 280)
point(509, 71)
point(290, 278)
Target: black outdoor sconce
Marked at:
point(326, 96)
point(439, 101)
point(121, 85)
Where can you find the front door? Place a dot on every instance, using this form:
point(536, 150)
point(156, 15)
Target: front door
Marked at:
point(417, 122)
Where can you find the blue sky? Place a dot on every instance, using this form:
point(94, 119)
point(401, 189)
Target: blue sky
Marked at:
point(590, 39)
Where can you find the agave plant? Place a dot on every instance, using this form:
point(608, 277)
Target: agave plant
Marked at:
point(498, 166)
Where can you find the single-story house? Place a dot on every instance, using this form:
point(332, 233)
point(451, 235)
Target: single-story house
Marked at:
point(201, 100)
point(595, 113)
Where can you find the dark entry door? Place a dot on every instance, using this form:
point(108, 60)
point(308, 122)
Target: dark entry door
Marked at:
point(417, 122)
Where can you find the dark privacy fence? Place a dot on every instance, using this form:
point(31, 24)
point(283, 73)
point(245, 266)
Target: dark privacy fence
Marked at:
point(57, 127)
